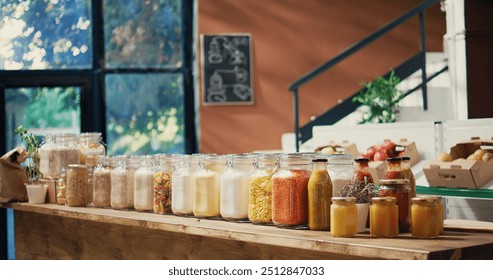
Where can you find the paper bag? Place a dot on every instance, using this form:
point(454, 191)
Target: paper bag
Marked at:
point(13, 177)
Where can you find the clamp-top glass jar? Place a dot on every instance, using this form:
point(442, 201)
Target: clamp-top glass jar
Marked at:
point(182, 186)
point(290, 191)
point(143, 185)
point(65, 153)
point(206, 193)
point(91, 147)
point(122, 183)
point(163, 169)
point(102, 182)
point(260, 188)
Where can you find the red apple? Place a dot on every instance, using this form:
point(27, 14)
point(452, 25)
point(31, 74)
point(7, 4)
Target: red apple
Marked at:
point(390, 147)
point(378, 147)
point(380, 155)
point(371, 152)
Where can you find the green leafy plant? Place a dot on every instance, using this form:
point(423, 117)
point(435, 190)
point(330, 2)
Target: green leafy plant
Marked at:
point(382, 97)
point(32, 146)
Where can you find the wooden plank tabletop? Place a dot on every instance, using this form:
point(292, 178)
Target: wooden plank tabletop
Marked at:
point(453, 244)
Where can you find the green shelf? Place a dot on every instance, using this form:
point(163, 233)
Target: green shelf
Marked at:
point(468, 193)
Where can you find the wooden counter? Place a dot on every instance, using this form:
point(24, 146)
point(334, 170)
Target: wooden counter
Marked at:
point(49, 231)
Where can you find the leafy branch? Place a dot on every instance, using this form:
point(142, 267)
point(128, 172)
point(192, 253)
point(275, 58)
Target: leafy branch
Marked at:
point(32, 144)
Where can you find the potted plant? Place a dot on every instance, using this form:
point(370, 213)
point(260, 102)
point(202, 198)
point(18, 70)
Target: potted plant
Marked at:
point(382, 98)
point(363, 193)
point(36, 192)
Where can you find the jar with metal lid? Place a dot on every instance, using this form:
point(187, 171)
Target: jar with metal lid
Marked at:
point(102, 182)
point(206, 193)
point(394, 169)
point(91, 147)
point(61, 196)
point(384, 217)
point(46, 154)
point(163, 169)
point(144, 185)
point(290, 191)
point(424, 216)
point(319, 196)
point(343, 217)
point(76, 185)
point(398, 188)
point(122, 183)
point(234, 188)
point(182, 185)
point(361, 173)
point(260, 188)
point(340, 167)
point(408, 174)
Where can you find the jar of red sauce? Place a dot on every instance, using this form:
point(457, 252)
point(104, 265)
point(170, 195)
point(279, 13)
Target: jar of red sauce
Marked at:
point(361, 172)
point(394, 169)
point(398, 188)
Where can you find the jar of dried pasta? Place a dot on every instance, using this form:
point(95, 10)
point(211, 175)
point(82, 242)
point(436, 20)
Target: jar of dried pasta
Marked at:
point(163, 168)
point(260, 188)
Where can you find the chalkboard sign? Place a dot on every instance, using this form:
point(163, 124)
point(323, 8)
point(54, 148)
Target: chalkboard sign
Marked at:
point(226, 69)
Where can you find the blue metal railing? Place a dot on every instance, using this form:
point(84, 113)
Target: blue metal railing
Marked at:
point(419, 9)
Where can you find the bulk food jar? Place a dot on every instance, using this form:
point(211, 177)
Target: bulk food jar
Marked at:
point(340, 169)
point(290, 191)
point(76, 185)
point(59, 152)
point(144, 185)
point(163, 170)
point(46, 154)
point(91, 147)
point(260, 188)
point(122, 182)
point(182, 186)
point(234, 188)
point(206, 192)
point(102, 182)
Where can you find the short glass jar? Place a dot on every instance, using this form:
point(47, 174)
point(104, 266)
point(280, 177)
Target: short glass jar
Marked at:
point(424, 216)
point(76, 185)
point(343, 217)
point(384, 217)
point(260, 188)
point(398, 188)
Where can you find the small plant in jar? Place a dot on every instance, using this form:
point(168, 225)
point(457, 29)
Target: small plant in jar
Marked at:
point(32, 146)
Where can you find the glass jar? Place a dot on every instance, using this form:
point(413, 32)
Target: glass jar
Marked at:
point(163, 168)
point(122, 183)
point(290, 191)
point(91, 147)
point(144, 185)
point(102, 182)
point(319, 196)
point(76, 185)
point(408, 174)
point(424, 215)
point(384, 217)
point(398, 188)
point(394, 169)
point(361, 173)
point(182, 186)
point(341, 171)
point(206, 192)
point(260, 189)
point(45, 155)
point(64, 153)
point(61, 196)
point(90, 185)
point(234, 188)
point(343, 217)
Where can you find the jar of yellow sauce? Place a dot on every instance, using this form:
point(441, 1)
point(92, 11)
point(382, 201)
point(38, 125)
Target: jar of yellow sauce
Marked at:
point(384, 217)
point(440, 213)
point(343, 217)
point(424, 217)
point(319, 194)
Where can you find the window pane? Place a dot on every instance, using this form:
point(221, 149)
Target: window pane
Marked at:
point(49, 34)
point(144, 113)
point(142, 34)
point(41, 111)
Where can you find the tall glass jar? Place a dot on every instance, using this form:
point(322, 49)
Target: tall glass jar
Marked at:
point(424, 215)
point(102, 182)
point(90, 185)
point(234, 188)
point(398, 188)
point(384, 217)
point(66, 152)
point(46, 154)
point(76, 185)
point(340, 171)
point(290, 191)
point(319, 196)
point(144, 185)
point(182, 186)
point(408, 174)
point(394, 169)
point(260, 188)
point(163, 170)
point(361, 173)
point(122, 183)
point(91, 147)
point(61, 193)
point(206, 193)
point(343, 217)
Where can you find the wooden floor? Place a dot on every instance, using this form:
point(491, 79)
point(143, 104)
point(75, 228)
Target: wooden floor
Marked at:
point(49, 231)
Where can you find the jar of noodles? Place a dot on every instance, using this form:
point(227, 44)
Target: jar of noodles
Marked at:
point(260, 188)
point(163, 169)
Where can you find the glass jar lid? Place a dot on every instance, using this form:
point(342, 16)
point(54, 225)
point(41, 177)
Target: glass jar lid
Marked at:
point(392, 182)
point(384, 199)
point(344, 198)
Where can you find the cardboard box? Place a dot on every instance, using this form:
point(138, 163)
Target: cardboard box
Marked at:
point(344, 147)
point(461, 172)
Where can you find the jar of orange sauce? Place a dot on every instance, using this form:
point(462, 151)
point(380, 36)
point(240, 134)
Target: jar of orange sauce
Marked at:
point(343, 217)
point(424, 216)
point(384, 217)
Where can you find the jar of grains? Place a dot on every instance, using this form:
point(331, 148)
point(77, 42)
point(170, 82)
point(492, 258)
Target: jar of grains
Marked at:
point(206, 192)
point(290, 191)
point(76, 185)
point(398, 188)
point(163, 168)
point(144, 185)
point(65, 152)
point(319, 196)
point(340, 170)
point(102, 182)
point(424, 216)
point(384, 217)
point(61, 193)
point(260, 189)
point(91, 147)
point(234, 188)
point(90, 185)
point(45, 151)
point(122, 183)
point(182, 186)
point(343, 217)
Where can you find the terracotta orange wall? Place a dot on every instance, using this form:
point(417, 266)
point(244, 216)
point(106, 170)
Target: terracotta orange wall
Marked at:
point(290, 37)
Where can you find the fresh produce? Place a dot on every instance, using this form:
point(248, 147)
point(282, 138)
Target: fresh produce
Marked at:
point(487, 156)
point(445, 157)
point(382, 152)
